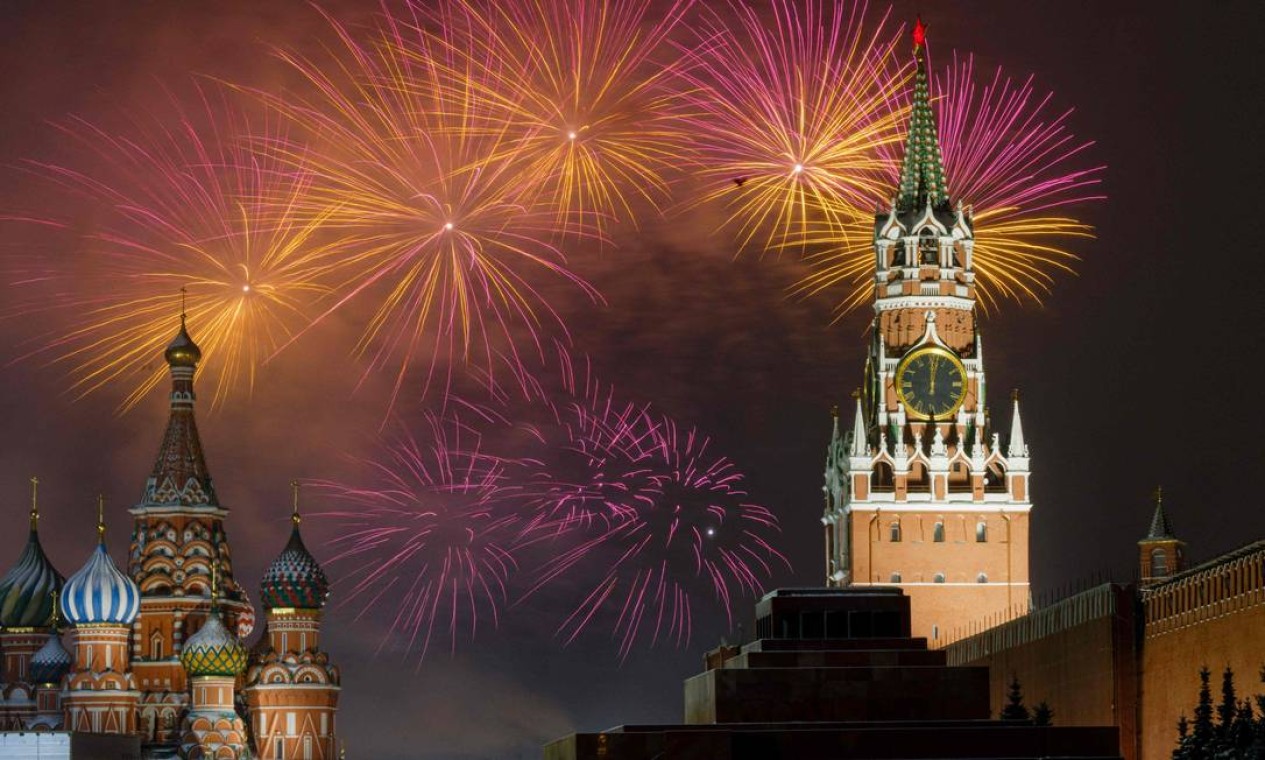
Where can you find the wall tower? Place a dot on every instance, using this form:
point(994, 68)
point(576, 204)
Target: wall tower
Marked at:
point(920, 492)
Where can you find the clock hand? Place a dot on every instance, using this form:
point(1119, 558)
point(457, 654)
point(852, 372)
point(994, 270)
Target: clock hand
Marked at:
point(935, 361)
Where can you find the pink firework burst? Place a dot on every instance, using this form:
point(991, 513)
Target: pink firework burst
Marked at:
point(1012, 158)
point(431, 535)
point(645, 513)
point(792, 103)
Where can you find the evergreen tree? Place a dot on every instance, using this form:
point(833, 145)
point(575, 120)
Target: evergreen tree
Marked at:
point(1042, 715)
point(1183, 750)
point(1014, 709)
point(1241, 731)
point(1222, 745)
point(1203, 732)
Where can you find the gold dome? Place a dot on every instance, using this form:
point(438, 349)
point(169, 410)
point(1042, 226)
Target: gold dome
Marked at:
point(183, 352)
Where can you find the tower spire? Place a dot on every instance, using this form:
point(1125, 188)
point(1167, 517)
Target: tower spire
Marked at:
point(922, 176)
point(180, 476)
point(295, 517)
point(101, 519)
point(858, 428)
point(35, 503)
point(1018, 448)
point(1161, 527)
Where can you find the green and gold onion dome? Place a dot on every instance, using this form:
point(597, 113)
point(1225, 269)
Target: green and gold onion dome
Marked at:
point(26, 591)
point(182, 351)
point(294, 579)
point(213, 651)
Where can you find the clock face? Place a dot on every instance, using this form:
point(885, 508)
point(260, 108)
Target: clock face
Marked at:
point(932, 382)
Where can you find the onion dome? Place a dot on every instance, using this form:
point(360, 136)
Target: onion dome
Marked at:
point(183, 352)
point(99, 593)
point(294, 579)
point(51, 662)
point(213, 651)
point(26, 591)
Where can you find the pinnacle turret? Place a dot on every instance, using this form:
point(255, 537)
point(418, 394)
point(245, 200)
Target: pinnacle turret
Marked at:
point(922, 181)
point(858, 430)
point(1018, 448)
point(1161, 527)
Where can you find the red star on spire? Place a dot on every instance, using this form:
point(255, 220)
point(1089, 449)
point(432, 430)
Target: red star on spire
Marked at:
point(920, 33)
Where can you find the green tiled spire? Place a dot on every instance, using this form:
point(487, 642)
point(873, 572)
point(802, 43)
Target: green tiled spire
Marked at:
point(922, 176)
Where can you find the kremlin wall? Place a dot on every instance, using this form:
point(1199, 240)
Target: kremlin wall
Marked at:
point(154, 664)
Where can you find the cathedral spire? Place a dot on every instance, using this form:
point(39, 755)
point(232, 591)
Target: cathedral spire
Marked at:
point(922, 176)
point(180, 476)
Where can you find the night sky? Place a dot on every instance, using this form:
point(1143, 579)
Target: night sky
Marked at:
point(1138, 371)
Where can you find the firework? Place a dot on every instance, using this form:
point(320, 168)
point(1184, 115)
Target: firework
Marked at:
point(428, 535)
point(184, 205)
point(429, 223)
point(578, 91)
point(1015, 161)
point(635, 516)
point(792, 105)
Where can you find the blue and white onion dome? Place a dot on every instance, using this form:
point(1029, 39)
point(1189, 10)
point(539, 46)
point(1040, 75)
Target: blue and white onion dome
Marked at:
point(99, 594)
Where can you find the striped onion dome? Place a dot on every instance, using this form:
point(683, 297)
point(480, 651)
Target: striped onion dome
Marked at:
point(26, 591)
point(100, 593)
point(51, 662)
point(213, 651)
point(294, 579)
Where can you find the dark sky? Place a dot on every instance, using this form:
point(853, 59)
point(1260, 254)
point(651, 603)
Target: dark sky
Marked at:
point(1136, 372)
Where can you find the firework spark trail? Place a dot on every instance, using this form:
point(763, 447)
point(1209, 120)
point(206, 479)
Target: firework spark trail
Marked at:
point(182, 202)
point(635, 509)
point(791, 107)
point(1015, 162)
point(428, 218)
point(432, 535)
point(578, 93)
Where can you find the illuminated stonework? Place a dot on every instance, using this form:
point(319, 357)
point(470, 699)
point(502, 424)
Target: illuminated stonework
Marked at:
point(921, 493)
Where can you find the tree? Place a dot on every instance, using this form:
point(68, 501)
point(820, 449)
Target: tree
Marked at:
point(1203, 732)
point(1185, 747)
point(1042, 715)
point(1014, 709)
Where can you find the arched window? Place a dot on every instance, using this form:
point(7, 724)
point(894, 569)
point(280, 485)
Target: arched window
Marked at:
point(981, 532)
point(895, 531)
point(929, 246)
point(995, 478)
point(898, 254)
point(1159, 563)
point(883, 478)
point(919, 479)
point(895, 577)
point(959, 478)
point(981, 578)
point(935, 633)
point(939, 578)
point(156, 646)
point(937, 533)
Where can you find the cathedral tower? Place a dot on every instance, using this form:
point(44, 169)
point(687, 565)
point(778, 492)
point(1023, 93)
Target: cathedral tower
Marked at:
point(178, 534)
point(213, 658)
point(27, 592)
point(100, 603)
point(292, 688)
point(920, 492)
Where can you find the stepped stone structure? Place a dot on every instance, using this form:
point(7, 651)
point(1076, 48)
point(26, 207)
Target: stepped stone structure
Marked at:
point(835, 673)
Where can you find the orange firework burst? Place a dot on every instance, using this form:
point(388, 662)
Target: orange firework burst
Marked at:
point(426, 218)
point(791, 107)
point(185, 205)
point(1016, 164)
point(574, 90)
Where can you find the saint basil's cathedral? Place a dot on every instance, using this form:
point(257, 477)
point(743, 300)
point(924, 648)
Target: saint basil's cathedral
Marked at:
point(156, 657)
